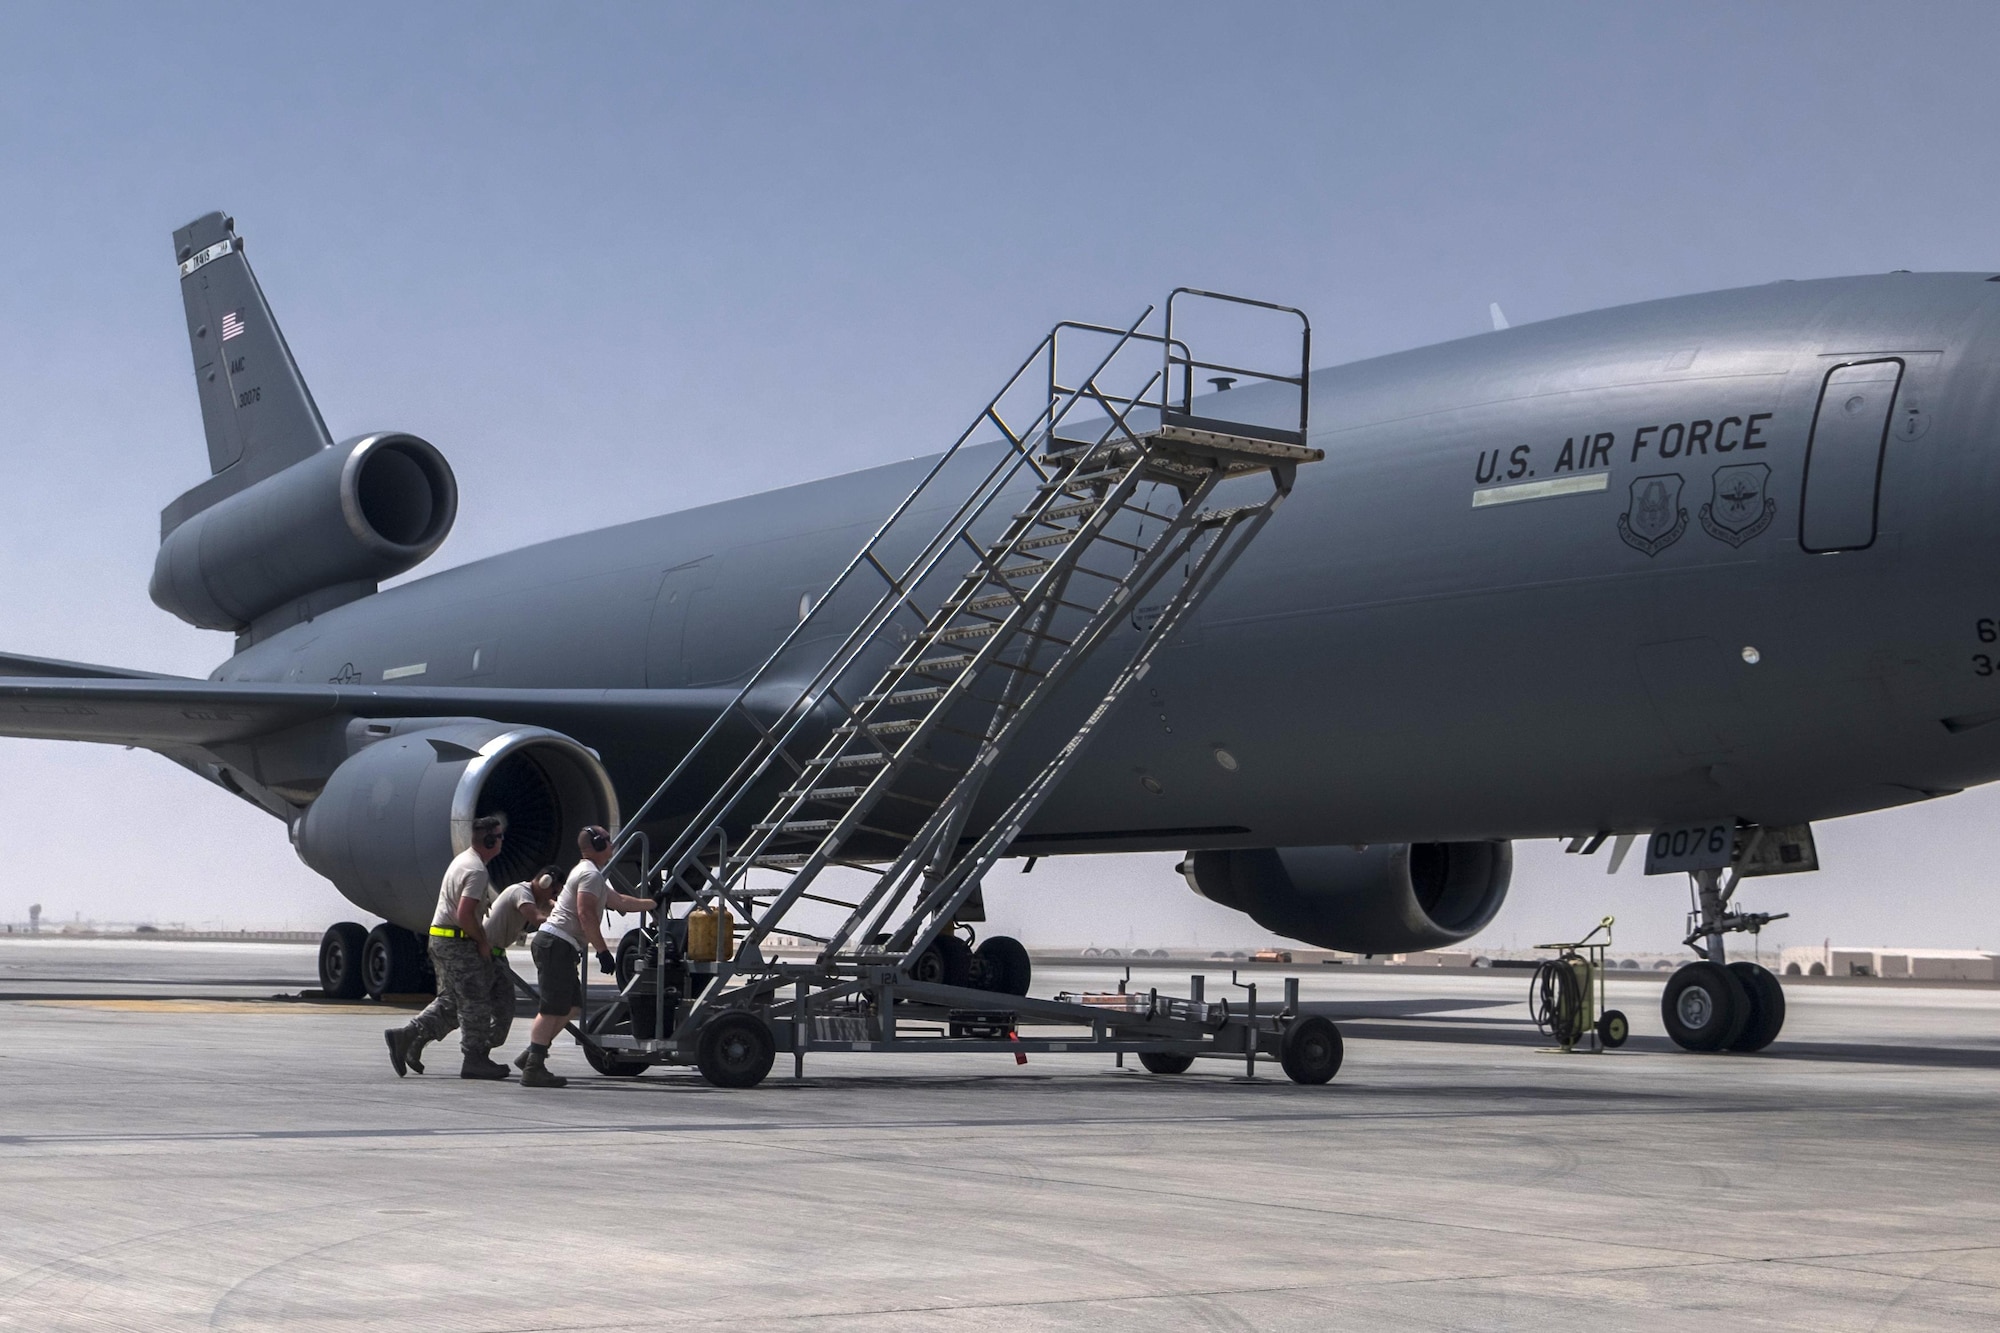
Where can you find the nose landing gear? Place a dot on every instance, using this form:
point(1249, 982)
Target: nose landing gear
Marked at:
point(1714, 1004)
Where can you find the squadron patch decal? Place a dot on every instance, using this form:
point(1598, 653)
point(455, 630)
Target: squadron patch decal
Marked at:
point(1740, 509)
point(1654, 520)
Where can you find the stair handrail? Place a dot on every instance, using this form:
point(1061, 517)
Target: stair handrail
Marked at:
point(1020, 452)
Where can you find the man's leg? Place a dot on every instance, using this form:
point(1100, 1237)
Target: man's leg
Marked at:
point(440, 1016)
point(503, 1000)
point(556, 971)
point(468, 973)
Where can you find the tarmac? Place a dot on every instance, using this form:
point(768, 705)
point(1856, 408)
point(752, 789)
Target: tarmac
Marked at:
point(179, 1150)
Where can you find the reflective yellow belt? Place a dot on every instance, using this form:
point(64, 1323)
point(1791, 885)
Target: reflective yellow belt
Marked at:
point(450, 933)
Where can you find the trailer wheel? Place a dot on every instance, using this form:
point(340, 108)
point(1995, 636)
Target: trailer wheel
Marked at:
point(1613, 1029)
point(612, 1066)
point(1311, 1050)
point(632, 951)
point(735, 1050)
point(1165, 1062)
point(1008, 965)
point(340, 960)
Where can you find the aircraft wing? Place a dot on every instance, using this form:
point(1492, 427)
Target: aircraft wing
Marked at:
point(16, 664)
point(175, 713)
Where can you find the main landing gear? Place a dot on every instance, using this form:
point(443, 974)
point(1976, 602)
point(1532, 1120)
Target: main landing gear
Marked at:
point(1714, 1004)
point(355, 961)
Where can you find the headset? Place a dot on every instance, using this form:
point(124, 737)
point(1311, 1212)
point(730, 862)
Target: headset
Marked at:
point(491, 840)
point(600, 841)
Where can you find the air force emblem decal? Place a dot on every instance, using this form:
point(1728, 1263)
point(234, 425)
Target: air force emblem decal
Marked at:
point(1740, 509)
point(1654, 520)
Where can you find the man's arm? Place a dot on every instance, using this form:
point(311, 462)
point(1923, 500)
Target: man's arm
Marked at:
point(625, 902)
point(591, 913)
point(469, 921)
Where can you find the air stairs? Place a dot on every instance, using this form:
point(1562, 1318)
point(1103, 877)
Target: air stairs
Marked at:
point(1078, 520)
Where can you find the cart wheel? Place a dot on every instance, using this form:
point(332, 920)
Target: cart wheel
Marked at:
point(631, 956)
point(1612, 1029)
point(1165, 1062)
point(1311, 1050)
point(735, 1050)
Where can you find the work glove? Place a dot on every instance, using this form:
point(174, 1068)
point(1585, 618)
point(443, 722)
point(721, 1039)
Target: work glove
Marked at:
point(606, 963)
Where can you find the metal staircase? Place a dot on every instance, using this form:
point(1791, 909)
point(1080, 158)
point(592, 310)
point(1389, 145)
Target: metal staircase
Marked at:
point(1092, 526)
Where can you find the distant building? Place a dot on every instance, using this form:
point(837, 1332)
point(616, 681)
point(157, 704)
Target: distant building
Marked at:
point(1840, 960)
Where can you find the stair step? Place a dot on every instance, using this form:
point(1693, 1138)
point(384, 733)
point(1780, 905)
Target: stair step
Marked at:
point(823, 793)
point(934, 665)
point(923, 696)
point(798, 826)
point(1022, 571)
point(851, 761)
point(897, 727)
point(1040, 543)
point(1056, 513)
point(960, 633)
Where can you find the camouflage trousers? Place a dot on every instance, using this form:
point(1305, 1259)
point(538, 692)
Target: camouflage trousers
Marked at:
point(475, 995)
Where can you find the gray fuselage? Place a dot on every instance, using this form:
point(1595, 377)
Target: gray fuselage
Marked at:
point(1391, 661)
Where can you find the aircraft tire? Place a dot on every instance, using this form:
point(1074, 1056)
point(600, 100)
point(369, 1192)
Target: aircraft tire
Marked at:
point(1311, 1051)
point(957, 955)
point(391, 963)
point(1008, 964)
point(1767, 1007)
point(1165, 1062)
point(1704, 1007)
point(735, 1050)
point(1613, 1028)
point(340, 960)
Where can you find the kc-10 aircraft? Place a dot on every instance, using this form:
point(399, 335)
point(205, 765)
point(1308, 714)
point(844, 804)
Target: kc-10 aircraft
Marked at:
point(1703, 569)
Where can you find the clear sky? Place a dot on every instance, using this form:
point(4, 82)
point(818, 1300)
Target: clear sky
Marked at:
point(616, 260)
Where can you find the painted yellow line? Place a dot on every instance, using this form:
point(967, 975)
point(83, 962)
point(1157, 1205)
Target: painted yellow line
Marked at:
point(197, 1006)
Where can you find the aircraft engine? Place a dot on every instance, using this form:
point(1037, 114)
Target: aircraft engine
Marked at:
point(1390, 898)
point(393, 815)
point(327, 529)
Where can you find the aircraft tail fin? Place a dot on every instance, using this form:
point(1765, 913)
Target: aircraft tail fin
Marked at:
point(258, 414)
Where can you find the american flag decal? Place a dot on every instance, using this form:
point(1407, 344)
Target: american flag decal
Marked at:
point(232, 325)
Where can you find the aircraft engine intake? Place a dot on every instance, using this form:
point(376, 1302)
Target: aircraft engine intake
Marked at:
point(393, 815)
point(323, 531)
point(1389, 898)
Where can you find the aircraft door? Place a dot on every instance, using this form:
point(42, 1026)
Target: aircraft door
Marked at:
point(665, 665)
point(1844, 456)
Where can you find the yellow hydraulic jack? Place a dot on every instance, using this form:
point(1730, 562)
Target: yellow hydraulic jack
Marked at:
point(1566, 997)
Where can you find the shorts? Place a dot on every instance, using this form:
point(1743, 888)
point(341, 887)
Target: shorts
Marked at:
point(557, 971)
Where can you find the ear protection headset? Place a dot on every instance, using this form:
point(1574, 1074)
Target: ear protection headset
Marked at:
point(490, 841)
point(599, 840)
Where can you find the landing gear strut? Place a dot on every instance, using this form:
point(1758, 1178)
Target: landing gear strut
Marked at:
point(1714, 1004)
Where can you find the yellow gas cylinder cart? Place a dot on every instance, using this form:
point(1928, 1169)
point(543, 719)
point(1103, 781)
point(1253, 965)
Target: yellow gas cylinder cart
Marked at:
point(1566, 996)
